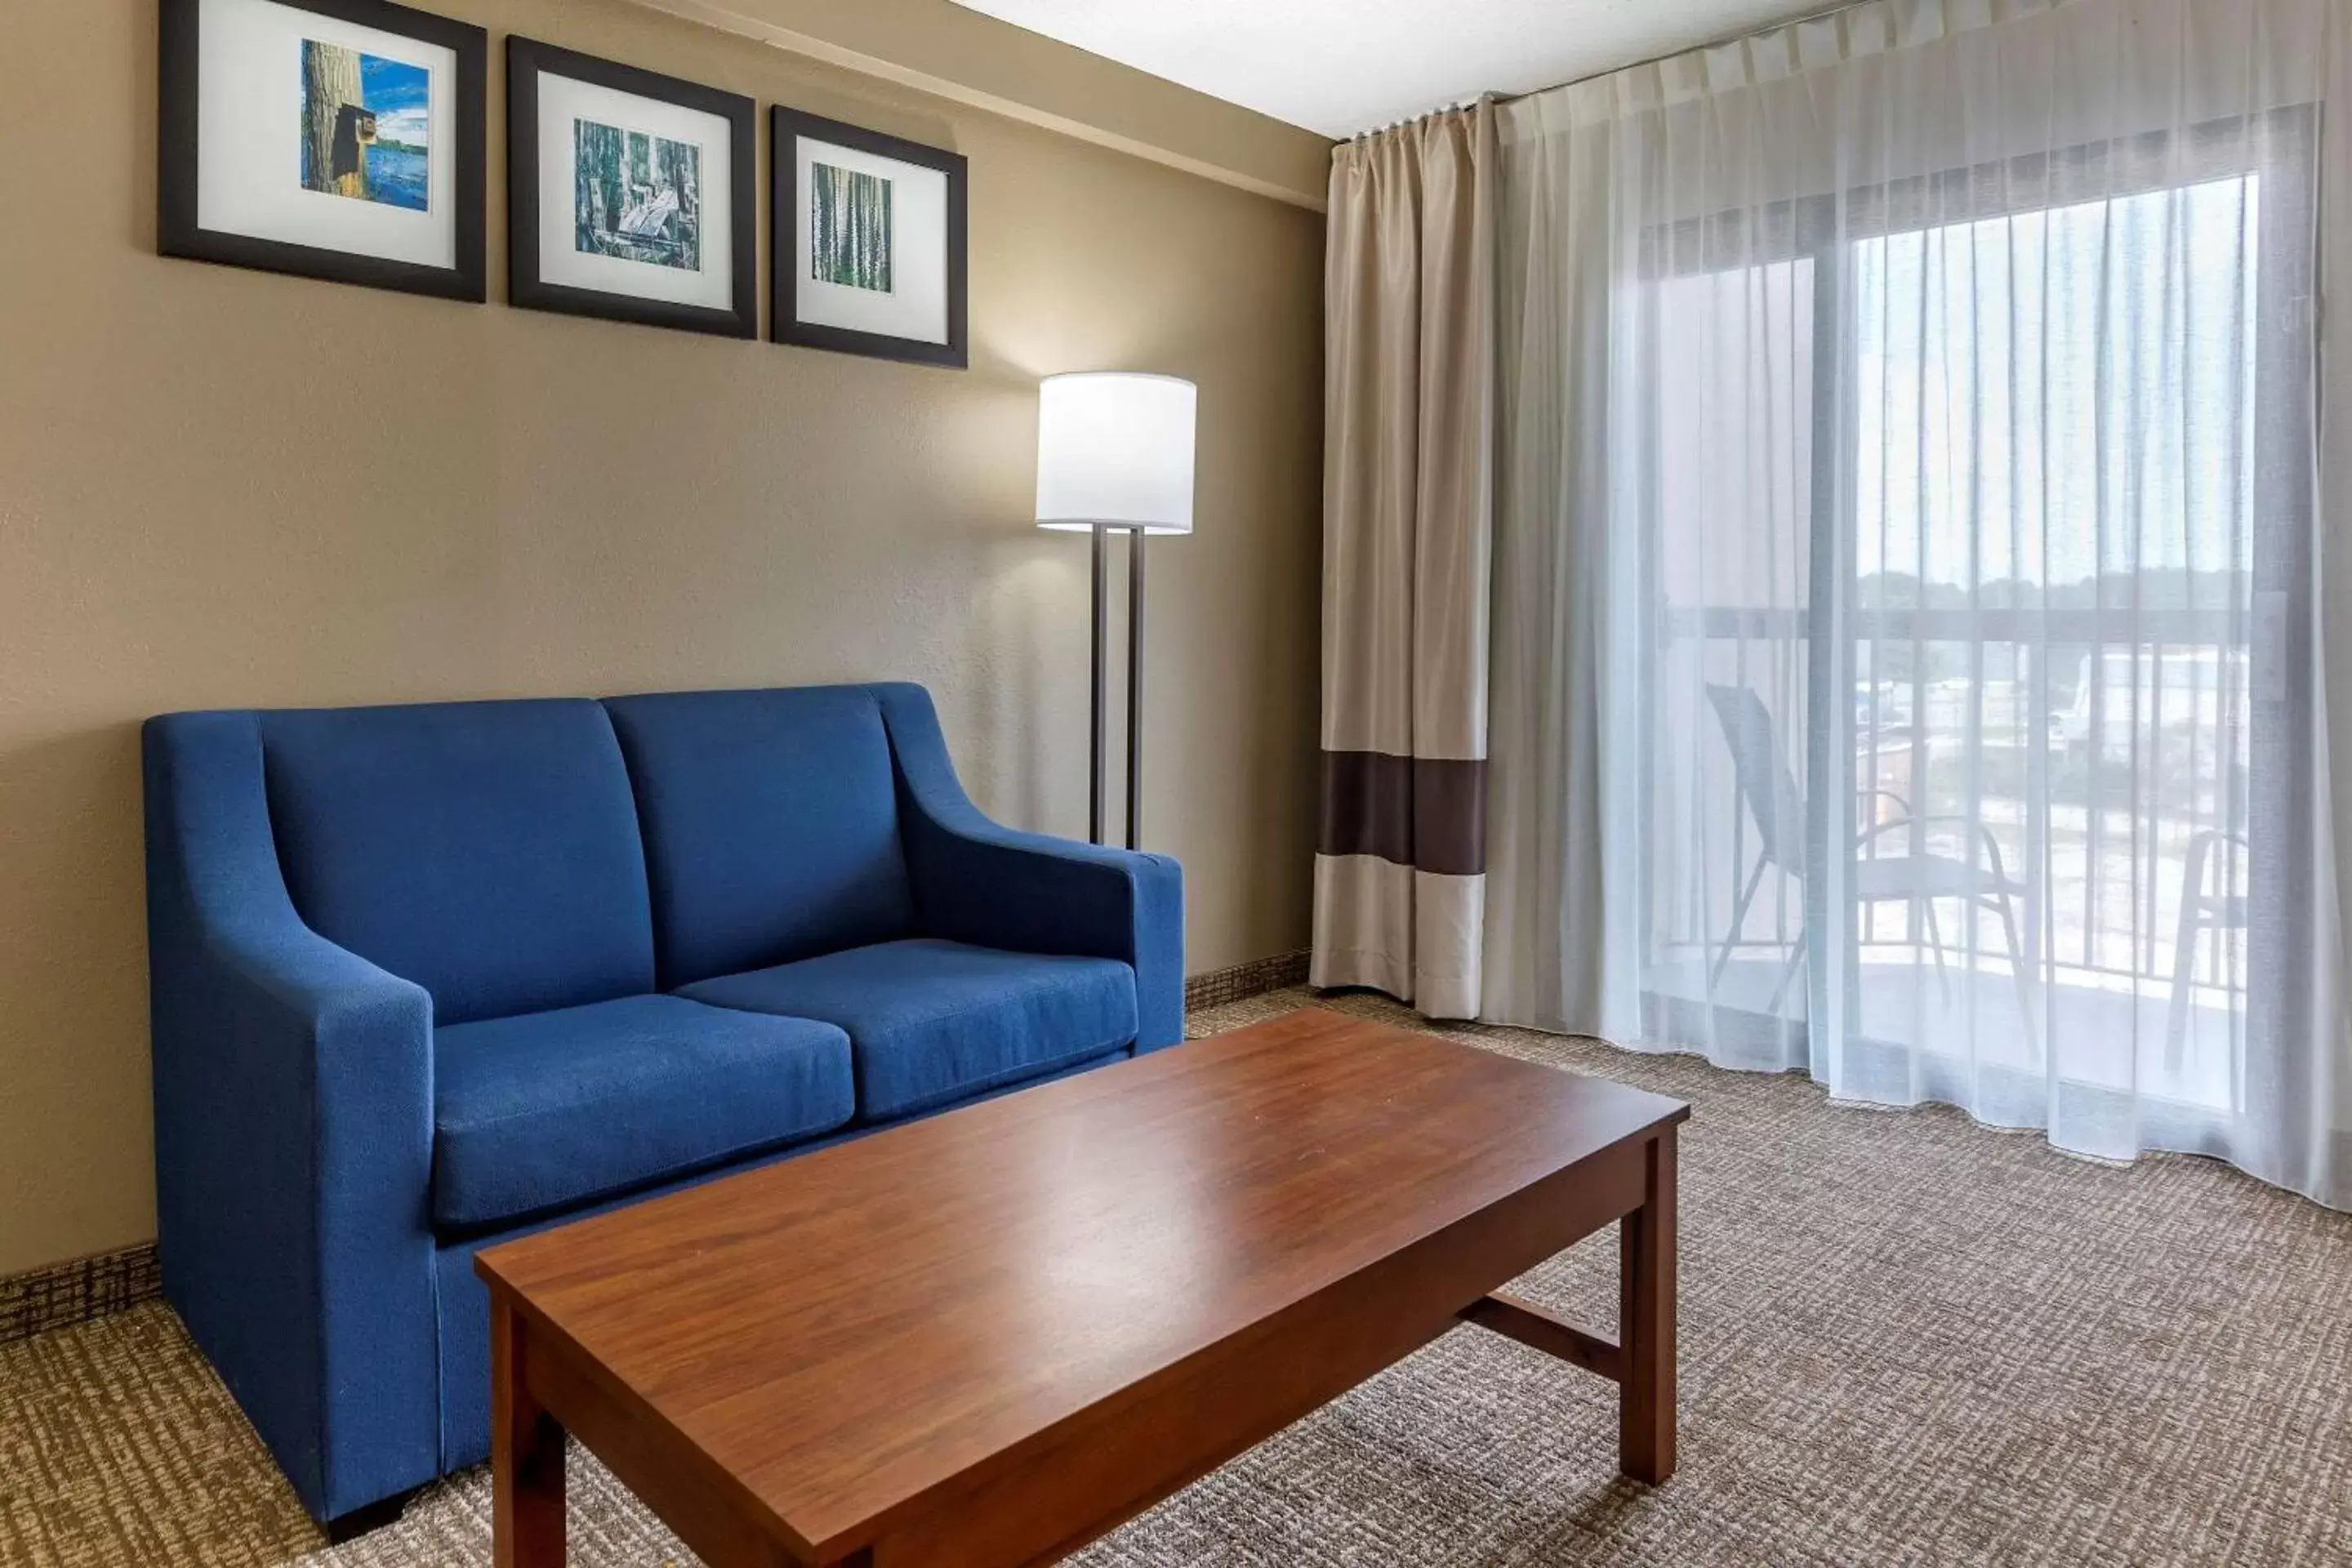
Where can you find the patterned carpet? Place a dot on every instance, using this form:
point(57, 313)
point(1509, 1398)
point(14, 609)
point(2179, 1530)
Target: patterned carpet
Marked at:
point(1906, 1340)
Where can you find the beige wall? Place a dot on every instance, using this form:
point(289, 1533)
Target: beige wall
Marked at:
point(970, 58)
point(221, 487)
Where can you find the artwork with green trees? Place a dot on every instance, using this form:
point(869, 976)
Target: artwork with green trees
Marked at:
point(849, 228)
point(637, 196)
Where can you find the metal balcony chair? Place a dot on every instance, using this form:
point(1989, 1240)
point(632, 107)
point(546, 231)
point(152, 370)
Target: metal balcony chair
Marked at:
point(2219, 910)
point(1777, 804)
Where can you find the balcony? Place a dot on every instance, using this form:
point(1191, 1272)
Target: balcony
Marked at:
point(2105, 782)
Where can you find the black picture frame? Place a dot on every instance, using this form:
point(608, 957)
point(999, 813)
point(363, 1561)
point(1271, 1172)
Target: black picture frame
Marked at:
point(787, 125)
point(177, 170)
point(526, 58)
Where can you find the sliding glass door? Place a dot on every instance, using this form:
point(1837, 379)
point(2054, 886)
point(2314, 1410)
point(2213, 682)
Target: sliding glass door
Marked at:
point(1972, 677)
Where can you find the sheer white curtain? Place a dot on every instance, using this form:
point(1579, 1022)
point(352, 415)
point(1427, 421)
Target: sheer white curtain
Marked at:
point(1911, 613)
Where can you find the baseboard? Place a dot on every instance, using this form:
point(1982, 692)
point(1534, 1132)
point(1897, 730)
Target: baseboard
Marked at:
point(64, 1294)
point(1243, 981)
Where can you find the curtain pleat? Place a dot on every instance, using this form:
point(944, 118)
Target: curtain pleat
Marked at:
point(1408, 518)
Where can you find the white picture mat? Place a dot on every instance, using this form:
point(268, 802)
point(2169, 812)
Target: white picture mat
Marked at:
point(250, 137)
point(917, 305)
point(563, 100)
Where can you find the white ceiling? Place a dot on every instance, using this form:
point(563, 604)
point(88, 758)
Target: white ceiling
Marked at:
point(1343, 65)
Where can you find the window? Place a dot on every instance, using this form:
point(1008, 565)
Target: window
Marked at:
point(1972, 570)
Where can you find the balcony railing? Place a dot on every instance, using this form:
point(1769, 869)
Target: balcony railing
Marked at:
point(2101, 755)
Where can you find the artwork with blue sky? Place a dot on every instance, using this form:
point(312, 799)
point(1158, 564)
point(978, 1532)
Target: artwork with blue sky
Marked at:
point(366, 126)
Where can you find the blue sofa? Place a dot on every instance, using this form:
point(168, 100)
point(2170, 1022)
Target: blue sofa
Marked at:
point(424, 978)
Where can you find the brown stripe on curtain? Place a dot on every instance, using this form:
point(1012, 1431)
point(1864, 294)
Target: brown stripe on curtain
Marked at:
point(1428, 812)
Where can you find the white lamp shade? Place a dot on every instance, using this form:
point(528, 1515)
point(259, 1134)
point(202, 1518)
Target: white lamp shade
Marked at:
point(1116, 448)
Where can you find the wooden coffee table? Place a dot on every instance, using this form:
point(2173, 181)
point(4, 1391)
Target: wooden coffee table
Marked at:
point(988, 1338)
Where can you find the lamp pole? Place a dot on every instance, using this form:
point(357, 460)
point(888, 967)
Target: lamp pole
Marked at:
point(1098, 747)
point(1094, 746)
point(1135, 537)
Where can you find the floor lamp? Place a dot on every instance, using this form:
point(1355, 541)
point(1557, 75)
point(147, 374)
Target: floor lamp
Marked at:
point(1115, 455)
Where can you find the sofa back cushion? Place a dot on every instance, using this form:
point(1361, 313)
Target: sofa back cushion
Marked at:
point(770, 823)
point(488, 852)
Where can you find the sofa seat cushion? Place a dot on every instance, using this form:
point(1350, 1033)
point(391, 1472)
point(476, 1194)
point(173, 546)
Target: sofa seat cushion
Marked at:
point(930, 1022)
point(548, 1109)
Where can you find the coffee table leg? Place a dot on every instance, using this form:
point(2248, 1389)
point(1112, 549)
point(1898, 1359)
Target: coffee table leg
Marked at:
point(1645, 1402)
point(526, 1455)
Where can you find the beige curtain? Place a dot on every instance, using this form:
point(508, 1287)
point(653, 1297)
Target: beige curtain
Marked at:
point(1399, 873)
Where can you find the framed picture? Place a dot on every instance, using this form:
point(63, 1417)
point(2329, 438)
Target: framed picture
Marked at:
point(629, 196)
point(336, 139)
point(868, 255)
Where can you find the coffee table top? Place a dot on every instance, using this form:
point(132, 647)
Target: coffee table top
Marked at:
point(843, 1331)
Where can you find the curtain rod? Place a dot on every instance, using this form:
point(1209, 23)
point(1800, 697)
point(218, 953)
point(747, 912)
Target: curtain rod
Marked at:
point(1820, 14)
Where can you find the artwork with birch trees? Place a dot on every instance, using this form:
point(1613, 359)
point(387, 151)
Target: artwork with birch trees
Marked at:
point(849, 228)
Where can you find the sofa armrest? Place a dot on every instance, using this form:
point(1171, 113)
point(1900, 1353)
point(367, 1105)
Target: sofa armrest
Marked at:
point(978, 882)
point(293, 1137)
